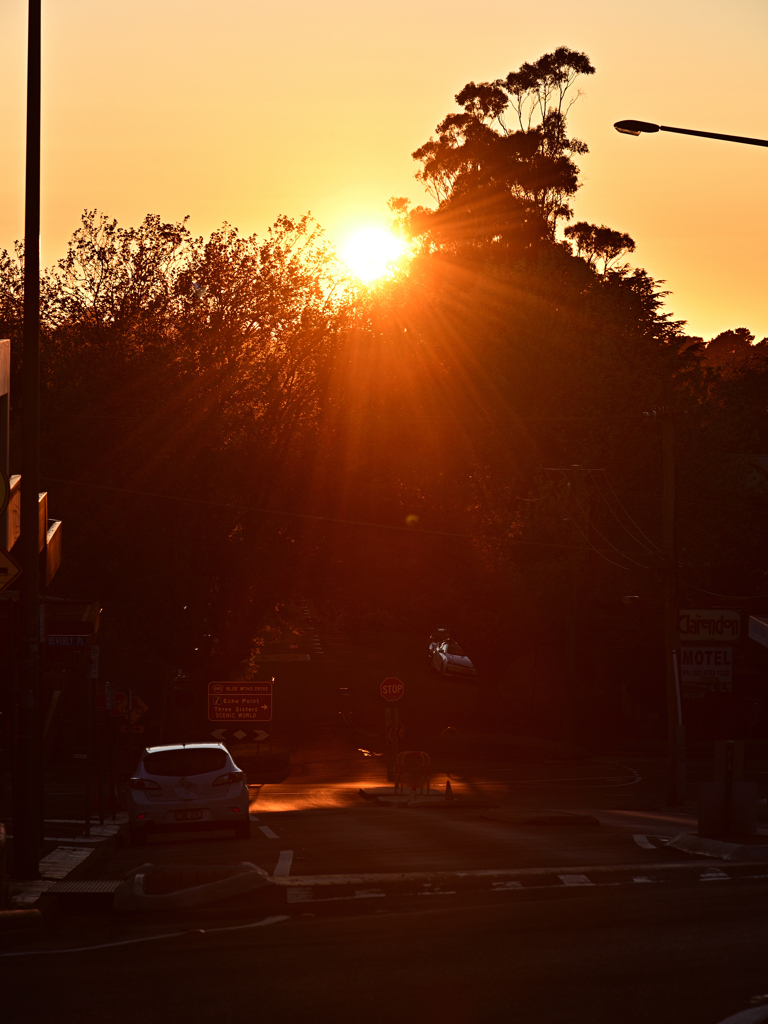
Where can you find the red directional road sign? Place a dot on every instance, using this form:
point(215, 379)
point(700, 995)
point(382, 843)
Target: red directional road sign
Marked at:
point(392, 688)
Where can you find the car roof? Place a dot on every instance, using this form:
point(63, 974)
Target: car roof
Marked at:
point(186, 746)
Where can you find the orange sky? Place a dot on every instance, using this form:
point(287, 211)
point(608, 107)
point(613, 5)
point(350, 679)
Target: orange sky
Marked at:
point(245, 109)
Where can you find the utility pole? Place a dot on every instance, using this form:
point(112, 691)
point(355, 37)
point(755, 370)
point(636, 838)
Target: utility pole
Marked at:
point(27, 789)
point(675, 727)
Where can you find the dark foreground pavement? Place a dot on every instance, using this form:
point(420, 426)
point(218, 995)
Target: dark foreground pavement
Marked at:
point(545, 892)
point(687, 954)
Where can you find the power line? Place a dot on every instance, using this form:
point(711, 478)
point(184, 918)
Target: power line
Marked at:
point(653, 550)
point(584, 535)
point(307, 516)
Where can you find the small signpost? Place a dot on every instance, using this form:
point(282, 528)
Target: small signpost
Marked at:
point(10, 569)
point(392, 689)
point(131, 707)
point(758, 629)
point(240, 702)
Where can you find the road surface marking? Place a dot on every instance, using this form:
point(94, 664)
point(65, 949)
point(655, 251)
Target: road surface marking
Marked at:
point(645, 842)
point(305, 895)
point(642, 878)
point(268, 832)
point(284, 862)
point(300, 895)
point(760, 1013)
point(575, 880)
point(253, 817)
point(507, 885)
point(152, 938)
point(714, 875)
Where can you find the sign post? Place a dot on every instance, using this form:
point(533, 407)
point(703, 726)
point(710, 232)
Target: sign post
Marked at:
point(392, 689)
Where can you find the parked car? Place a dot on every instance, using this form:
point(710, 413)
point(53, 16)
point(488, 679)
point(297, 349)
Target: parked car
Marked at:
point(186, 787)
point(435, 639)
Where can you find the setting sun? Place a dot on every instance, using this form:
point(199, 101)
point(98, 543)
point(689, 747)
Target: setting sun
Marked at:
point(370, 253)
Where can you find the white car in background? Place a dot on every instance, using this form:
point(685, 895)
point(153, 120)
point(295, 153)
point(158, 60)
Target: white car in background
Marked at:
point(187, 787)
point(435, 639)
point(449, 659)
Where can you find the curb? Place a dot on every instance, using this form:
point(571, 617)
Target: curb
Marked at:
point(131, 896)
point(385, 796)
point(700, 846)
point(509, 882)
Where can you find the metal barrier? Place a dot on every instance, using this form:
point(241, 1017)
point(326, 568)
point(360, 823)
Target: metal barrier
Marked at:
point(422, 771)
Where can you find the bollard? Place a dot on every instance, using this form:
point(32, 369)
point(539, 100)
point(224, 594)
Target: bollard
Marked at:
point(3, 856)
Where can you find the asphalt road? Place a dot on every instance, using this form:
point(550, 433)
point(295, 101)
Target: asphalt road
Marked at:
point(688, 954)
point(544, 893)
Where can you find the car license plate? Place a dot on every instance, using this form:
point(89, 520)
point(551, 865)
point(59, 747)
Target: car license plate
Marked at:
point(188, 815)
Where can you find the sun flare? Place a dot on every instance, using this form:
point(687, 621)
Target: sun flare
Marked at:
point(370, 252)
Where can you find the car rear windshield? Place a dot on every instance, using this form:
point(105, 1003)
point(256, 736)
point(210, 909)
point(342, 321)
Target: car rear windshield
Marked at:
point(454, 649)
point(185, 762)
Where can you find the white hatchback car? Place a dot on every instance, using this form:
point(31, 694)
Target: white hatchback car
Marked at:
point(187, 787)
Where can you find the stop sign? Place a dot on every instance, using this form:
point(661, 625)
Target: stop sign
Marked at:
point(392, 688)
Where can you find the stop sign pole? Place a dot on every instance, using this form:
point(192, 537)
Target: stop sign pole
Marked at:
point(392, 689)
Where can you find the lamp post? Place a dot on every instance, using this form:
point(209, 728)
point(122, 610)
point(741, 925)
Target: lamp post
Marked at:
point(640, 127)
point(27, 797)
point(675, 728)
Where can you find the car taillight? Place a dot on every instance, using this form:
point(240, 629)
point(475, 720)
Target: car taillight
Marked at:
point(225, 780)
point(145, 784)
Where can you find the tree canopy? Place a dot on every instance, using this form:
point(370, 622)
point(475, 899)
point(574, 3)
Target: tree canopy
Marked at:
point(230, 421)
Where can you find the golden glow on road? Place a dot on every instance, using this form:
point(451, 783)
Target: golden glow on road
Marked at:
point(371, 252)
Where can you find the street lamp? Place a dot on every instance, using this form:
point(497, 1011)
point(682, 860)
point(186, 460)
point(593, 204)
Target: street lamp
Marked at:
point(675, 728)
point(638, 127)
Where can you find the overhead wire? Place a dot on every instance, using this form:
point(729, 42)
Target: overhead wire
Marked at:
point(306, 516)
point(586, 537)
point(654, 549)
point(618, 551)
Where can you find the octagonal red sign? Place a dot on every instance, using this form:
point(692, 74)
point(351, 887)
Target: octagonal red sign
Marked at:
point(392, 688)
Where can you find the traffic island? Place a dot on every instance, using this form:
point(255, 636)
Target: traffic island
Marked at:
point(391, 796)
point(703, 846)
point(172, 887)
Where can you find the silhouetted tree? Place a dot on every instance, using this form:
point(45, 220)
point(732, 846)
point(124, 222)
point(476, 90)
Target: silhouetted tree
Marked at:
point(496, 185)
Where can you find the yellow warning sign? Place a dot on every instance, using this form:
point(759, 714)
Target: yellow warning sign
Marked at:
point(10, 569)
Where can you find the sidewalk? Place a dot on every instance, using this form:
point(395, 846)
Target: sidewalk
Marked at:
point(74, 856)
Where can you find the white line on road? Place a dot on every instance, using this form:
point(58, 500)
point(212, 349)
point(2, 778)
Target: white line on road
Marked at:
point(760, 1013)
point(284, 862)
point(714, 875)
point(268, 832)
point(575, 880)
point(304, 895)
point(645, 842)
point(152, 938)
point(253, 817)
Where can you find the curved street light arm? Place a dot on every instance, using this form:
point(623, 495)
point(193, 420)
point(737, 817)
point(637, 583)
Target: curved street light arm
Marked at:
point(639, 127)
